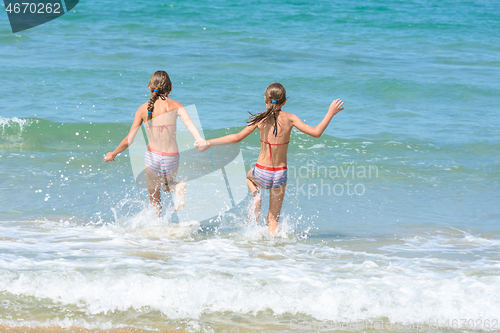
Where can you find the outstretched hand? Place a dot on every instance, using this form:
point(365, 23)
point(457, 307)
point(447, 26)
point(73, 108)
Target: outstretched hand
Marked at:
point(109, 157)
point(201, 145)
point(336, 106)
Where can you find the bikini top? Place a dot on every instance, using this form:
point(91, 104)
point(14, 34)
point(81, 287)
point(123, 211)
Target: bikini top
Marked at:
point(160, 128)
point(273, 144)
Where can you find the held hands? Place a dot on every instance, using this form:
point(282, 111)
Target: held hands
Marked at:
point(109, 157)
point(336, 106)
point(201, 145)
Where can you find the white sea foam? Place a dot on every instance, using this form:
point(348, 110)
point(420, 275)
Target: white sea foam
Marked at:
point(148, 224)
point(14, 121)
point(280, 288)
point(110, 268)
point(62, 323)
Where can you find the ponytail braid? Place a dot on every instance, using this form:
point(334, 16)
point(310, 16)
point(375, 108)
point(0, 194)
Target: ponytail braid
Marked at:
point(151, 103)
point(159, 84)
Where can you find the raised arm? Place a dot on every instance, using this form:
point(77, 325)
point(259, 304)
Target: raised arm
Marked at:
point(129, 139)
point(317, 131)
point(189, 124)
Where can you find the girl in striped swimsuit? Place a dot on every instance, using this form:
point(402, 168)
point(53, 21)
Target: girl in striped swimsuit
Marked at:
point(275, 127)
point(160, 115)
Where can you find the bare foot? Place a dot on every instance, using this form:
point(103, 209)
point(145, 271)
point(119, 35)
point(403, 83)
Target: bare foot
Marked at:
point(180, 195)
point(255, 206)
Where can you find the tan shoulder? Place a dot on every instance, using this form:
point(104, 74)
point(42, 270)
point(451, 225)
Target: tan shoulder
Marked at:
point(143, 109)
point(287, 115)
point(176, 104)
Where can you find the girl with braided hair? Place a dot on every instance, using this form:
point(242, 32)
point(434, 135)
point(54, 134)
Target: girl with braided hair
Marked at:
point(160, 114)
point(275, 127)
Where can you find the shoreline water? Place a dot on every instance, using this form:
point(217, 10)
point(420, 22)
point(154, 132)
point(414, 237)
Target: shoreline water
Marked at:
point(58, 329)
point(234, 277)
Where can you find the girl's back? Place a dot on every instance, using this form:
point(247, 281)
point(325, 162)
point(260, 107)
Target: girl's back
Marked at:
point(162, 128)
point(273, 149)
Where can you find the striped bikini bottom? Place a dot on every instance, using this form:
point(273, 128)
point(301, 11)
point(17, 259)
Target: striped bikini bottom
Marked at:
point(162, 164)
point(270, 177)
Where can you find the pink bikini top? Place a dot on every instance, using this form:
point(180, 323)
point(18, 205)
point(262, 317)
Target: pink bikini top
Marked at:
point(273, 144)
point(160, 128)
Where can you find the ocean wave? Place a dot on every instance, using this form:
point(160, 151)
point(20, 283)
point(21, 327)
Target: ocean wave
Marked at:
point(15, 123)
point(396, 294)
point(109, 271)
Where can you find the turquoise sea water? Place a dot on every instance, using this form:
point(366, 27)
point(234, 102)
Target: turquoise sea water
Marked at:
point(413, 236)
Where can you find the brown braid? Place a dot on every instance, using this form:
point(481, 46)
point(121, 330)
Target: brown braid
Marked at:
point(274, 92)
point(160, 81)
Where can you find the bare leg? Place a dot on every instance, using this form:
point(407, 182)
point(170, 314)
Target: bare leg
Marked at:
point(276, 196)
point(154, 189)
point(180, 195)
point(168, 183)
point(251, 183)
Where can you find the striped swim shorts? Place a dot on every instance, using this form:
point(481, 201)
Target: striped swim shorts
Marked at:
point(270, 177)
point(162, 164)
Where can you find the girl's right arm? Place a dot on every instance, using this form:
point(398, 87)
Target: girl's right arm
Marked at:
point(317, 131)
point(129, 139)
point(231, 138)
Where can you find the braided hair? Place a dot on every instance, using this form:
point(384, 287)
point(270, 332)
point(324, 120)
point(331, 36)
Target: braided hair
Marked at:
point(276, 94)
point(159, 85)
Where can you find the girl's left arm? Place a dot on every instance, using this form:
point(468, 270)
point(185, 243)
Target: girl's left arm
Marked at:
point(129, 139)
point(189, 124)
